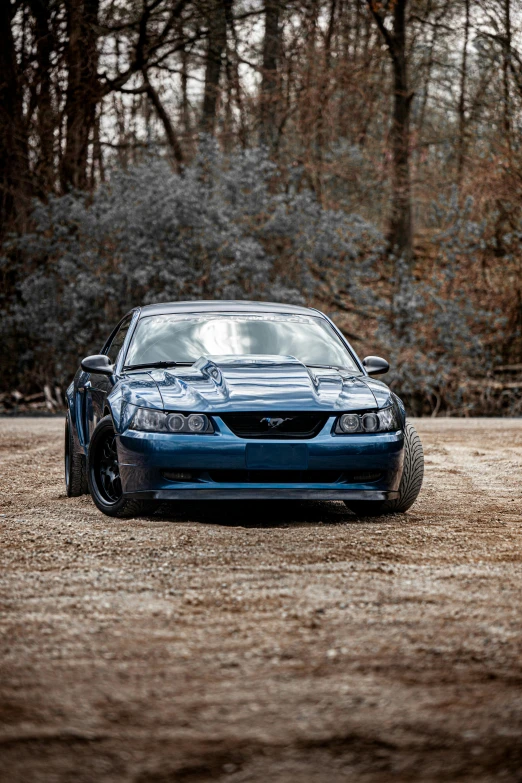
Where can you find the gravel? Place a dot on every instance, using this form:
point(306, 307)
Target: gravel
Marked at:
point(264, 641)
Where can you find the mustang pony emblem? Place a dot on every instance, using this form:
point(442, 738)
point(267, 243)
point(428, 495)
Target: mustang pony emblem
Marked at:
point(275, 422)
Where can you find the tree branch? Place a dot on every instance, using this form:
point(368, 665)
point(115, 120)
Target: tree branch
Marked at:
point(170, 133)
point(388, 37)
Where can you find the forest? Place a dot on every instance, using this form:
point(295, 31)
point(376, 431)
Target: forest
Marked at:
point(359, 156)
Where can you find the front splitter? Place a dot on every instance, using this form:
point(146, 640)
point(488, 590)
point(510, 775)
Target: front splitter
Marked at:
point(263, 493)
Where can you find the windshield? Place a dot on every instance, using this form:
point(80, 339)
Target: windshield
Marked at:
point(184, 338)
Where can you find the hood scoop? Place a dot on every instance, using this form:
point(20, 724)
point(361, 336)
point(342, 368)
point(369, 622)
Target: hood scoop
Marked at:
point(216, 367)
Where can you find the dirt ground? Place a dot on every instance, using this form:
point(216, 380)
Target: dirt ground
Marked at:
point(264, 641)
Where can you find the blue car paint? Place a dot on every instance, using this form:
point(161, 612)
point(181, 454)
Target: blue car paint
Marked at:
point(221, 384)
point(262, 383)
point(143, 459)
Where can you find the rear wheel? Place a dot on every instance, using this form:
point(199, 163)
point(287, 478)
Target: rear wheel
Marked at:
point(104, 476)
point(75, 478)
point(411, 481)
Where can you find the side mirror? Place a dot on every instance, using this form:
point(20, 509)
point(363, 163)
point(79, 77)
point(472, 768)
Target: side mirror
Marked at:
point(99, 364)
point(374, 365)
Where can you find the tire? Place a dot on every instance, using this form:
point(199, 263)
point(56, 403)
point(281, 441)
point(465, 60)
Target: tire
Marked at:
point(411, 481)
point(103, 474)
point(75, 473)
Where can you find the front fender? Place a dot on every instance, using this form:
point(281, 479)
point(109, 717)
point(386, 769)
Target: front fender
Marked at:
point(402, 409)
point(134, 389)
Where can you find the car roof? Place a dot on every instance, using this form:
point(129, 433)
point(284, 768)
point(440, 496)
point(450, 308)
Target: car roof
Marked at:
point(224, 306)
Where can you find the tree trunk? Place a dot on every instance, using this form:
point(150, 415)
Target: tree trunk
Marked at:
point(437, 28)
point(505, 71)
point(185, 106)
point(268, 126)
point(326, 84)
point(83, 91)
point(45, 123)
point(462, 98)
point(14, 165)
point(401, 230)
point(234, 73)
point(401, 235)
point(217, 39)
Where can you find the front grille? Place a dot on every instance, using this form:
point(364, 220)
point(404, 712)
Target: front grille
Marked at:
point(275, 426)
point(275, 476)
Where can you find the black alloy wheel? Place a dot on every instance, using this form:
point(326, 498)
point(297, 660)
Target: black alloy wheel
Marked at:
point(107, 469)
point(104, 476)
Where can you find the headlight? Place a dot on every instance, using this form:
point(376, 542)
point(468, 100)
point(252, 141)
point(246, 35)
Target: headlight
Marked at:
point(148, 420)
point(197, 422)
point(350, 422)
point(175, 422)
point(373, 421)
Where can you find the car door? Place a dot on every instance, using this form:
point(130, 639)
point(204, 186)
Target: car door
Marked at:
point(101, 385)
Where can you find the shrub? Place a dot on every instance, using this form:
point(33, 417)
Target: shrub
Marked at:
point(234, 228)
point(227, 229)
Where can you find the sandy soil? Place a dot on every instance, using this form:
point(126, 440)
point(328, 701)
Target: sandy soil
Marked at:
point(264, 641)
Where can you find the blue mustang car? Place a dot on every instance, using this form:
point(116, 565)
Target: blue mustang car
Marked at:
point(236, 400)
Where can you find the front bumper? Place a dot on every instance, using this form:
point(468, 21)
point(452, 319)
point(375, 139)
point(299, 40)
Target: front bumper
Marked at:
point(144, 456)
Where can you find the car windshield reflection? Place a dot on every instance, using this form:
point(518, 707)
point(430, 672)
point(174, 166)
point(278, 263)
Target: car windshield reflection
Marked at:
point(182, 339)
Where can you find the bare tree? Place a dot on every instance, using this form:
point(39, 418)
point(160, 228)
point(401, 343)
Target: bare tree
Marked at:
point(269, 96)
point(46, 115)
point(216, 43)
point(83, 90)
point(505, 70)
point(86, 83)
point(168, 127)
point(401, 232)
point(14, 165)
point(462, 97)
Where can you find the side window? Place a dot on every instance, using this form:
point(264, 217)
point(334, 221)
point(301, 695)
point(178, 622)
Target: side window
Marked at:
point(118, 340)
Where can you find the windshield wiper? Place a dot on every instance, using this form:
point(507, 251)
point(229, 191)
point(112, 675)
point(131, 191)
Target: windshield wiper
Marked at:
point(157, 365)
point(328, 366)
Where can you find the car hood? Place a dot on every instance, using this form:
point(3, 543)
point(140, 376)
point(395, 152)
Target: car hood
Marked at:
point(268, 383)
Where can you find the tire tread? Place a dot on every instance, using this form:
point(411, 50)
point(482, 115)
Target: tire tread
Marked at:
point(412, 474)
point(77, 473)
point(410, 485)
